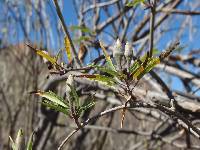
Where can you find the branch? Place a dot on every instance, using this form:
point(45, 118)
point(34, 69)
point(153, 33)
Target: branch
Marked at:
point(139, 104)
point(180, 12)
point(77, 61)
point(152, 21)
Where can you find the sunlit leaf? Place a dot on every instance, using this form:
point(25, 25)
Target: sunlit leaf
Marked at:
point(19, 139)
point(150, 65)
point(134, 3)
point(46, 56)
point(51, 96)
point(108, 60)
point(138, 72)
point(56, 107)
point(101, 78)
point(155, 51)
point(67, 48)
point(82, 28)
point(106, 70)
point(135, 66)
point(104, 79)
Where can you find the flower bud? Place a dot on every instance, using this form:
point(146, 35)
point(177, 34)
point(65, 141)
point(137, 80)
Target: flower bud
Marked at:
point(128, 50)
point(117, 48)
point(44, 59)
point(70, 81)
point(118, 53)
point(128, 54)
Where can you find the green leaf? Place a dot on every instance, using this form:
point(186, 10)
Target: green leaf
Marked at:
point(58, 55)
point(82, 38)
point(108, 60)
point(134, 3)
point(44, 54)
point(135, 66)
point(150, 65)
point(100, 78)
point(19, 139)
point(56, 107)
point(104, 79)
point(107, 70)
point(82, 28)
point(67, 48)
point(155, 51)
point(87, 104)
point(74, 96)
point(138, 72)
point(51, 96)
point(30, 142)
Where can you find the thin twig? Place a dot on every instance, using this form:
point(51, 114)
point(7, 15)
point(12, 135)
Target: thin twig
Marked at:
point(77, 61)
point(88, 121)
point(133, 104)
point(180, 12)
point(152, 21)
point(67, 138)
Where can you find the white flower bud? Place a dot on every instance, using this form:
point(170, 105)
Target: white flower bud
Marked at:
point(44, 59)
point(128, 50)
point(70, 81)
point(118, 53)
point(128, 54)
point(117, 48)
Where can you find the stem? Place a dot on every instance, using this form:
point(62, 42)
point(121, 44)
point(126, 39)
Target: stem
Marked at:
point(152, 21)
point(77, 61)
point(137, 104)
point(67, 138)
point(88, 121)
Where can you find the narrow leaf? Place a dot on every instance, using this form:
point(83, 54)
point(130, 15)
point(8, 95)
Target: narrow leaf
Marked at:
point(87, 104)
point(67, 48)
point(51, 96)
point(56, 107)
point(134, 3)
point(150, 65)
point(82, 28)
point(30, 142)
point(44, 54)
point(108, 60)
point(138, 72)
point(104, 79)
point(74, 96)
point(135, 66)
point(106, 70)
point(101, 78)
point(19, 140)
